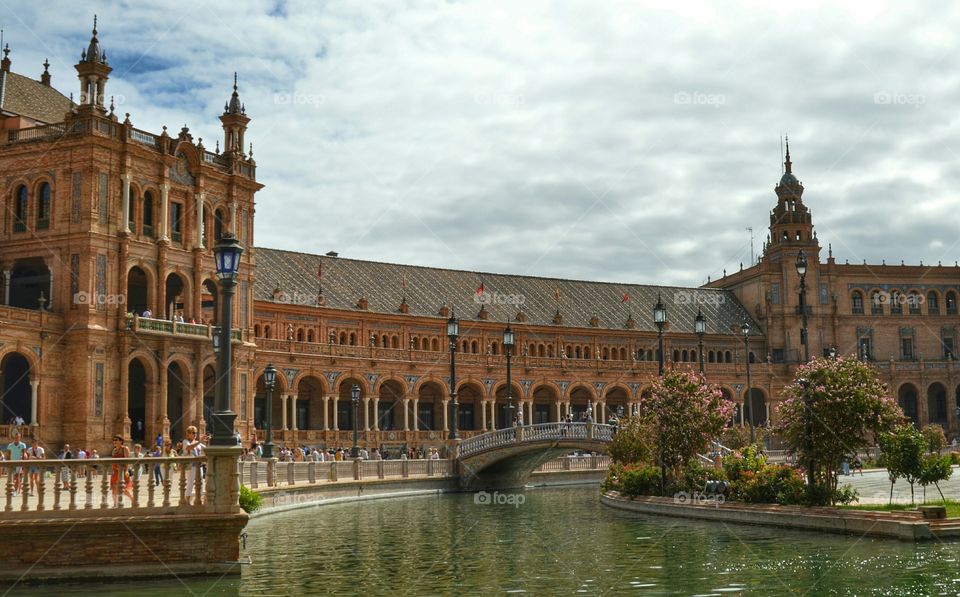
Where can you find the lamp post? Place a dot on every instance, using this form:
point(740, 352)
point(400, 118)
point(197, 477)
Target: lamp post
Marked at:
point(700, 327)
point(453, 331)
point(748, 395)
point(227, 255)
point(802, 272)
point(508, 342)
point(355, 399)
point(660, 319)
point(269, 380)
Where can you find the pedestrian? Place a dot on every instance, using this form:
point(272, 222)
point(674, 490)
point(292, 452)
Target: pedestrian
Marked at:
point(15, 451)
point(192, 446)
point(36, 453)
point(119, 477)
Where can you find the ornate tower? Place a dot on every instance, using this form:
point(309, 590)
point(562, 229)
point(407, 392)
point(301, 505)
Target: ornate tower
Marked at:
point(235, 123)
point(93, 72)
point(791, 225)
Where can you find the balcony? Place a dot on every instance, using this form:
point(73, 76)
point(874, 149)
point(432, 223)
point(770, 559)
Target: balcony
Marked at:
point(150, 325)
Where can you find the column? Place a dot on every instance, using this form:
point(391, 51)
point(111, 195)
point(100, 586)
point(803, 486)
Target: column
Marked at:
point(603, 412)
point(293, 411)
point(165, 214)
point(233, 215)
point(33, 401)
point(199, 198)
point(376, 414)
point(406, 413)
point(326, 413)
point(49, 306)
point(416, 414)
point(283, 412)
point(446, 403)
point(6, 286)
point(483, 415)
point(366, 413)
point(162, 411)
point(336, 412)
point(767, 407)
point(125, 186)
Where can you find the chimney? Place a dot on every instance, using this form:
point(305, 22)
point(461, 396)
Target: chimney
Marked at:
point(45, 76)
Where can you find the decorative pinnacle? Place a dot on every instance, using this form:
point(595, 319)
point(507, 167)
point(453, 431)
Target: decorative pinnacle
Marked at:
point(94, 24)
point(234, 80)
point(788, 164)
point(46, 65)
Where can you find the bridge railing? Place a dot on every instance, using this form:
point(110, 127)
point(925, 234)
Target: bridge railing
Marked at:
point(531, 433)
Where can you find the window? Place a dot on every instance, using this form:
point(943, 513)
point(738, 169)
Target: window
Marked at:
point(948, 350)
point(148, 214)
point(933, 305)
point(857, 300)
point(951, 303)
point(876, 303)
point(43, 207)
point(777, 355)
point(865, 349)
point(896, 303)
point(906, 349)
point(20, 210)
point(913, 303)
point(131, 213)
point(218, 224)
point(775, 293)
point(176, 222)
point(824, 295)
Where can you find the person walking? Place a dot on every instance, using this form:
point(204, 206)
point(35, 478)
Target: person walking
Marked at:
point(15, 451)
point(192, 446)
point(119, 474)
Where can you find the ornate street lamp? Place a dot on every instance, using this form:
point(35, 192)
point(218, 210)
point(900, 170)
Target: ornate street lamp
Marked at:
point(355, 399)
point(227, 256)
point(508, 342)
point(700, 327)
point(453, 331)
point(802, 272)
point(748, 395)
point(269, 380)
point(660, 319)
point(216, 339)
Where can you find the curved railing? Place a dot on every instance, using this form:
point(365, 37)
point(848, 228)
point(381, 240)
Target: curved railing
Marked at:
point(534, 433)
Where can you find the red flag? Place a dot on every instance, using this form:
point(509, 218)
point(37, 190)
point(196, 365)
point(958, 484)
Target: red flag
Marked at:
point(626, 297)
point(480, 289)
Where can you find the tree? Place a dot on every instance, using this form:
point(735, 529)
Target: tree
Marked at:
point(634, 442)
point(832, 409)
point(935, 468)
point(902, 452)
point(936, 438)
point(685, 414)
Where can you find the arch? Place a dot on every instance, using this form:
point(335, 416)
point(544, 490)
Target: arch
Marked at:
point(391, 393)
point(758, 406)
point(495, 348)
point(470, 397)
point(353, 338)
point(907, 399)
point(415, 343)
point(506, 410)
point(308, 407)
point(266, 331)
point(345, 383)
point(728, 357)
point(914, 301)
point(676, 356)
point(17, 397)
point(434, 345)
point(256, 330)
point(138, 290)
point(684, 356)
point(343, 338)
point(29, 279)
point(545, 397)
point(710, 356)
point(430, 396)
point(44, 205)
point(209, 296)
point(937, 404)
point(148, 211)
point(176, 289)
point(21, 208)
point(550, 351)
point(260, 401)
point(616, 398)
point(310, 335)
point(580, 398)
point(138, 377)
point(950, 302)
point(933, 302)
point(300, 335)
point(395, 342)
point(178, 388)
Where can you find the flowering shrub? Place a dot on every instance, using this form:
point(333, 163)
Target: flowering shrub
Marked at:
point(641, 480)
point(770, 485)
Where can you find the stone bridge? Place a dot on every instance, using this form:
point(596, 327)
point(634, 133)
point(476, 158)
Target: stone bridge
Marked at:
point(506, 457)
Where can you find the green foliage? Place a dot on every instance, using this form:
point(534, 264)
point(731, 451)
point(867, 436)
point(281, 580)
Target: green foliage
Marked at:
point(250, 500)
point(770, 485)
point(934, 469)
point(936, 438)
point(750, 459)
point(694, 477)
point(834, 407)
point(737, 436)
point(634, 442)
point(902, 452)
point(640, 480)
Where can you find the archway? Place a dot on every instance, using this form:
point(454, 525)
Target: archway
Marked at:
point(758, 407)
point(17, 399)
point(208, 303)
point(907, 399)
point(937, 404)
point(430, 406)
point(178, 382)
point(29, 279)
point(470, 398)
point(345, 405)
point(137, 399)
point(581, 399)
point(137, 291)
point(173, 295)
point(390, 406)
point(616, 402)
point(506, 410)
point(544, 399)
point(309, 407)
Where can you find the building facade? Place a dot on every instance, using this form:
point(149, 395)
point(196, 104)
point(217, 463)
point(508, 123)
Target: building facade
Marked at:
point(110, 298)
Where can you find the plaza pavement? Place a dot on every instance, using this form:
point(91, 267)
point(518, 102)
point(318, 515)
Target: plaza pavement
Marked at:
point(873, 487)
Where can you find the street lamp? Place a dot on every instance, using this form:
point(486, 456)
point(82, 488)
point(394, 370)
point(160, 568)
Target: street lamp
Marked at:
point(802, 272)
point(269, 380)
point(660, 319)
point(508, 342)
point(453, 331)
point(227, 256)
point(747, 398)
point(832, 353)
point(700, 327)
point(355, 399)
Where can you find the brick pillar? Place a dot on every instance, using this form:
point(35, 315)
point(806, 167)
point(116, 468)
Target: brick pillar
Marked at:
point(162, 420)
point(283, 412)
point(483, 414)
point(223, 480)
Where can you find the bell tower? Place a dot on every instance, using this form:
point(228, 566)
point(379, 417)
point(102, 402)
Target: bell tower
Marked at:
point(93, 72)
point(235, 123)
point(791, 225)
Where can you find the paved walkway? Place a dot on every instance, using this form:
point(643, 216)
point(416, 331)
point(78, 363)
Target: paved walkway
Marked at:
point(874, 487)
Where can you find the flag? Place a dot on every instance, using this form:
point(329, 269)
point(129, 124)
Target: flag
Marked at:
point(626, 297)
point(480, 289)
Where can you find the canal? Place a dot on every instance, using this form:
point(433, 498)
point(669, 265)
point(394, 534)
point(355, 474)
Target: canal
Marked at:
point(557, 541)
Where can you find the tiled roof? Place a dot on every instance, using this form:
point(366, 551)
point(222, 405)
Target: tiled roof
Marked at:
point(25, 97)
point(427, 289)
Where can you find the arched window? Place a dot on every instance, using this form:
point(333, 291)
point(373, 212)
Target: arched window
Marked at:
point(913, 302)
point(465, 347)
point(710, 356)
point(896, 302)
point(532, 350)
point(856, 300)
point(933, 303)
point(310, 336)
point(434, 345)
point(43, 207)
point(394, 341)
point(606, 353)
point(576, 352)
point(299, 334)
point(494, 348)
point(684, 356)
point(951, 301)
point(623, 354)
point(569, 352)
point(541, 350)
point(728, 357)
point(147, 214)
point(385, 341)
point(876, 303)
point(256, 330)
point(752, 358)
point(693, 356)
point(266, 331)
point(20, 210)
point(676, 356)
point(586, 352)
point(473, 347)
point(353, 338)
point(343, 338)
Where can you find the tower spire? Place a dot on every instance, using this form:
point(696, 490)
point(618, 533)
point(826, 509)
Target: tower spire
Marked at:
point(93, 72)
point(787, 163)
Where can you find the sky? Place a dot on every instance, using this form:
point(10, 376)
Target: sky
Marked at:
point(631, 142)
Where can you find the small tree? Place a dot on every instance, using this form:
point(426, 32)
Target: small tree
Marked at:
point(832, 409)
point(685, 415)
point(634, 442)
point(902, 454)
point(933, 470)
point(936, 438)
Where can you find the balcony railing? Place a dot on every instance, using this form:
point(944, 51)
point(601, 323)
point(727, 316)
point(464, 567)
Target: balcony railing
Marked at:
point(175, 328)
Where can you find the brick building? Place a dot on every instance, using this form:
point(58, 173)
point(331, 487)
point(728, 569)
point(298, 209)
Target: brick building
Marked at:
point(104, 221)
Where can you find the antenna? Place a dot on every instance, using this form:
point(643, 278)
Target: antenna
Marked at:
point(781, 154)
point(750, 228)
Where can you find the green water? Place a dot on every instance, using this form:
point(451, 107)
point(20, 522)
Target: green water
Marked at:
point(557, 542)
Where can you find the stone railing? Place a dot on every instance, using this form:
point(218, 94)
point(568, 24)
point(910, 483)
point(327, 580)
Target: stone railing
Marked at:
point(271, 473)
point(69, 487)
point(175, 328)
point(47, 131)
point(575, 463)
point(533, 433)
